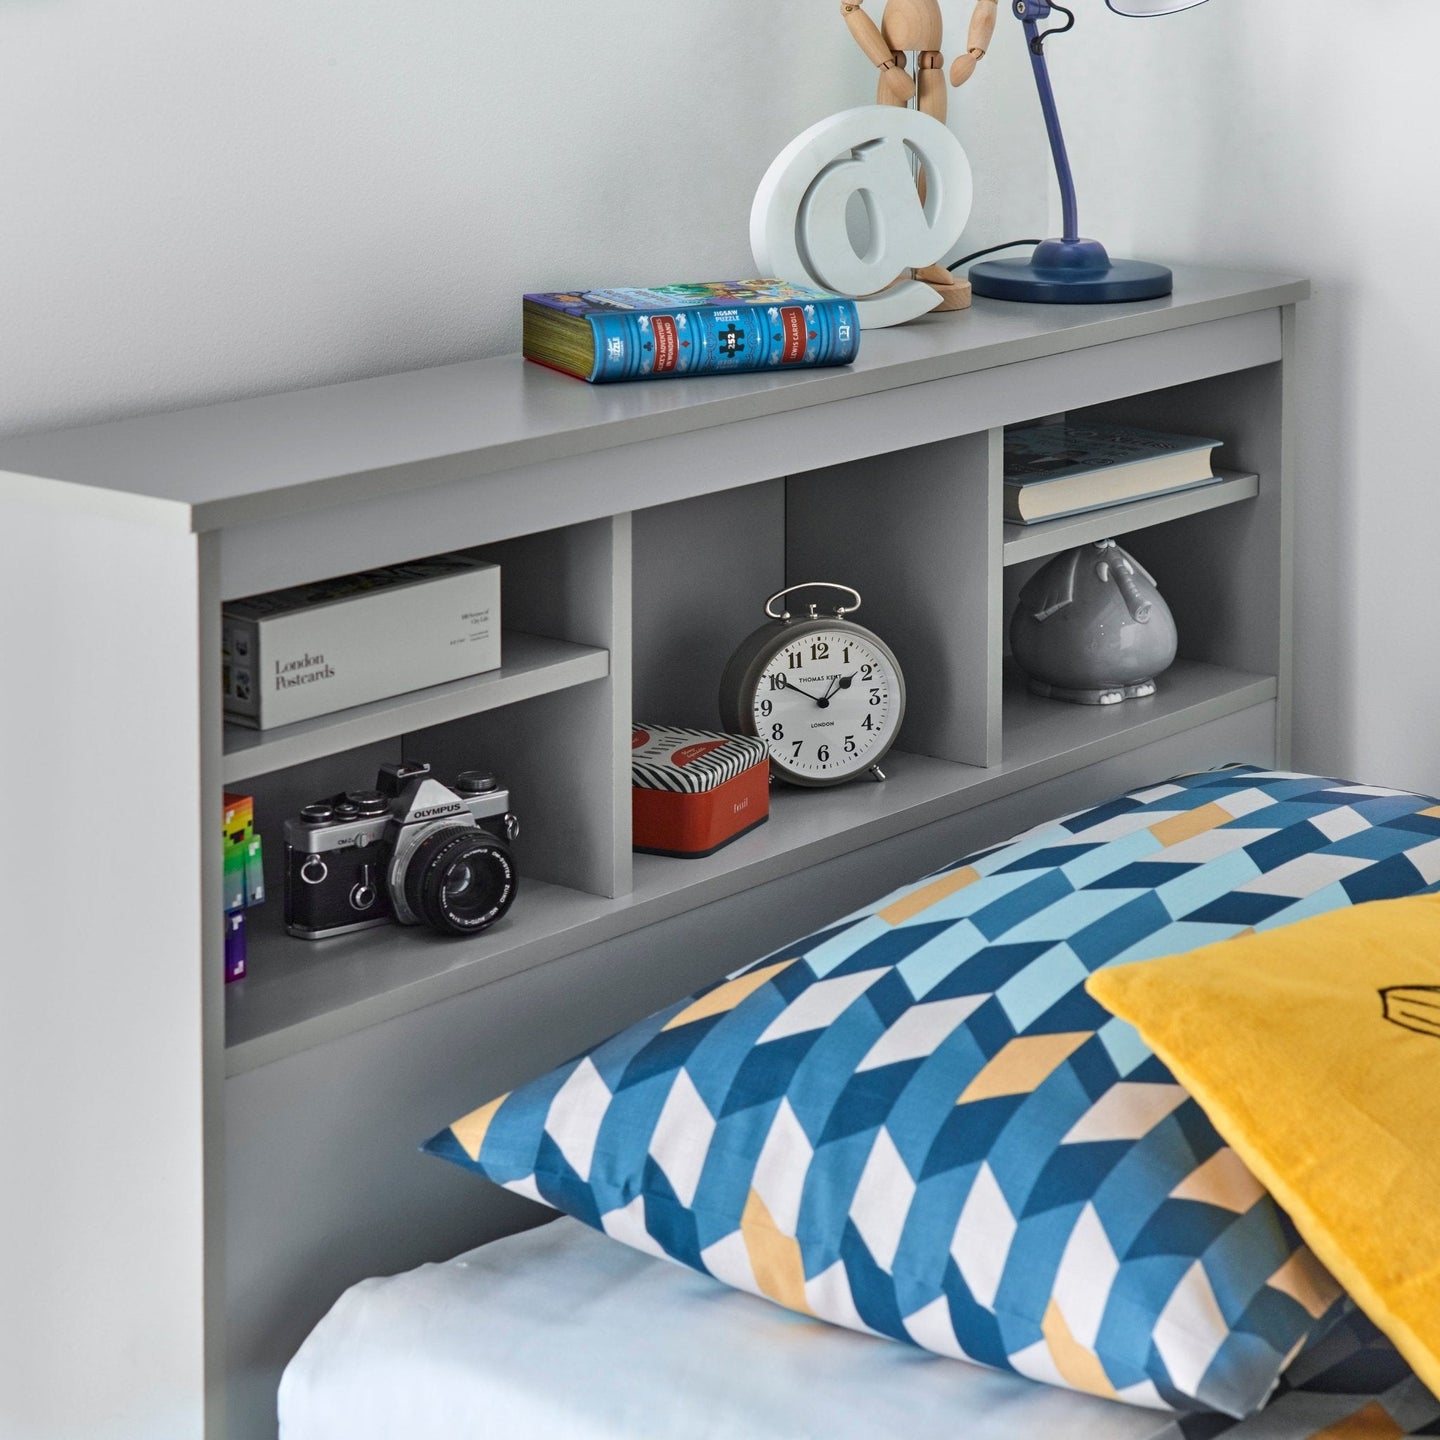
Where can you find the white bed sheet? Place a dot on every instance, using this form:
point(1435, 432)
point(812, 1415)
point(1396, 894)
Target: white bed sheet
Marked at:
point(563, 1334)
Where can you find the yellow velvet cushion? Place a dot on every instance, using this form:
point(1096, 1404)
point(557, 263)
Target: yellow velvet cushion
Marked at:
point(1315, 1051)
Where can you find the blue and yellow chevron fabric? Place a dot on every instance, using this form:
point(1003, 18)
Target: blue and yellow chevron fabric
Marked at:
point(917, 1123)
point(1351, 1385)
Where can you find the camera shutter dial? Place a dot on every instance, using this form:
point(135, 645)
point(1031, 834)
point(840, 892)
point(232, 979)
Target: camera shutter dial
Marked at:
point(476, 782)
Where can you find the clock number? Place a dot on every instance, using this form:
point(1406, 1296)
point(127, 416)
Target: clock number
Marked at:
point(766, 707)
point(850, 746)
point(797, 744)
point(778, 682)
point(777, 731)
point(874, 696)
point(845, 658)
point(796, 659)
point(867, 673)
point(819, 650)
point(868, 723)
point(824, 754)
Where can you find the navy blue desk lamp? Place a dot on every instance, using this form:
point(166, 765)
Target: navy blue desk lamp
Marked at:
point(1071, 271)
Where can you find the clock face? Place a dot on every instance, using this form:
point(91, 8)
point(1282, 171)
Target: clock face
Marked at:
point(827, 705)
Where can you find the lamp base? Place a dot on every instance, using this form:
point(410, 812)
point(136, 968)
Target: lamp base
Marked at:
point(1073, 272)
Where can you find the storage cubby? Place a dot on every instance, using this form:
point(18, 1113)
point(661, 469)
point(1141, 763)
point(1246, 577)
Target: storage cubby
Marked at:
point(703, 569)
point(917, 532)
point(547, 723)
point(297, 990)
point(1219, 554)
point(1224, 571)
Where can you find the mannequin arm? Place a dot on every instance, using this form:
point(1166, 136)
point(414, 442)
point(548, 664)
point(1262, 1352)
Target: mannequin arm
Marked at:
point(894, 82)
point(982, 32)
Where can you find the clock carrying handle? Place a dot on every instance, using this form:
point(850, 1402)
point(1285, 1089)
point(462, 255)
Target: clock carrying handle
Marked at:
point(840, 610)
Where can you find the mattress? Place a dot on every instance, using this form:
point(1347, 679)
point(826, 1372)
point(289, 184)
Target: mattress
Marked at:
point(561, 1334)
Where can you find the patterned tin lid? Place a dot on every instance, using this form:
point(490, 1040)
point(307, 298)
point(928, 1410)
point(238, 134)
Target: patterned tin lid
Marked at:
point(669, 757)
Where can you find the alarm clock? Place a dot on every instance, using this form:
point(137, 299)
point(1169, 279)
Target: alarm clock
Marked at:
point(825, 695)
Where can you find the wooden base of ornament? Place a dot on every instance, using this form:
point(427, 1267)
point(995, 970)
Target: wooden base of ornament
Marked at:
point(954, 293)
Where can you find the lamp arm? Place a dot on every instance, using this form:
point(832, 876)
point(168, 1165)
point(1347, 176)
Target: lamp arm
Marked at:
point(1070, 271)
point(1030, 13)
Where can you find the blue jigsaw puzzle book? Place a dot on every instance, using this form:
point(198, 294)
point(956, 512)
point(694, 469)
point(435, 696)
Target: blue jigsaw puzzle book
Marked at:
point(709, 328)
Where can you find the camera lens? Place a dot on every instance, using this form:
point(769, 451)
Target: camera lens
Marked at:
point(460, 880)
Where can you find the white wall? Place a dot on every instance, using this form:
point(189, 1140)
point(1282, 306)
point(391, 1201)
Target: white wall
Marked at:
point(202, 200)
point(1300, 135)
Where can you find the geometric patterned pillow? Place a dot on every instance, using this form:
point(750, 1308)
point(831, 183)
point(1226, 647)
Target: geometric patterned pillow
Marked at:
point(917, 1123)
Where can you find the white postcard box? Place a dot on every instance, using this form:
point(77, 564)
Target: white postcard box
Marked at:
point(294, 654)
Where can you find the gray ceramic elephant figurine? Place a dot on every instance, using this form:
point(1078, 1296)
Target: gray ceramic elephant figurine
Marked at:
point(1092, 628)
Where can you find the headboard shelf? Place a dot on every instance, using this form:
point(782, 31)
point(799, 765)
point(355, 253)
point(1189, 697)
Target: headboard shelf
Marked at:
point(281, 456)
point(638, 529)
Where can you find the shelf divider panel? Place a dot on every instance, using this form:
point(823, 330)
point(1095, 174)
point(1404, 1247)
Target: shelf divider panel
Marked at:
point(532, 665)
point(1034, 542)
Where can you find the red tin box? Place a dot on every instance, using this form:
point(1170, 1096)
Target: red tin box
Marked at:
point(695, 790)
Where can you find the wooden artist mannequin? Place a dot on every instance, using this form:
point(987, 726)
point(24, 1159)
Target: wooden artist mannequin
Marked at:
point(917, 26)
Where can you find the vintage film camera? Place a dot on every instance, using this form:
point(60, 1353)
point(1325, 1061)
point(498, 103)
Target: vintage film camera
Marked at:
point(412, 850)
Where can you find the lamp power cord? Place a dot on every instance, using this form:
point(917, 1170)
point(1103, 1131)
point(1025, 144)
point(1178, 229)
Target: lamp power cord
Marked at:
point(991, 250)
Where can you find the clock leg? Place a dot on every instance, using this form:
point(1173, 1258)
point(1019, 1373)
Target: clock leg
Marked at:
point(876, 773)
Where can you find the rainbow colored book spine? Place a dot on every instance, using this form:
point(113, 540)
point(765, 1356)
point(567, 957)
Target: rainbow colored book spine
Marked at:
point(244, 872)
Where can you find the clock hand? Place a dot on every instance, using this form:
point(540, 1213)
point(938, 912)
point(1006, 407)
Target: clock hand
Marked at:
point(799, 690)
point(840, 682)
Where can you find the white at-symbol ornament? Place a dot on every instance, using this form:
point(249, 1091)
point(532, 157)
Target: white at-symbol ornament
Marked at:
point(798, 230)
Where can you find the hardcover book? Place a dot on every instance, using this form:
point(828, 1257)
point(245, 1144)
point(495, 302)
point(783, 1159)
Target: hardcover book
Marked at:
point(1066, 469)
point(710, 328)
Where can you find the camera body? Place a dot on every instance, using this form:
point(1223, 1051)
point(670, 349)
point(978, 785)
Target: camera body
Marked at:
point(412, 851)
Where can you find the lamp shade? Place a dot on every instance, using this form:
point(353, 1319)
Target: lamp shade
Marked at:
point(1151, 7)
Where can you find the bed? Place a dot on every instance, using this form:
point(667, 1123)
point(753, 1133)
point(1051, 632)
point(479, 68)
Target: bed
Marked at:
point(560, 1331)
point(480, 1348)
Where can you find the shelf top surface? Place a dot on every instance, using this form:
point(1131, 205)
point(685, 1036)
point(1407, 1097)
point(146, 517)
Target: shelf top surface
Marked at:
point(273, 455)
